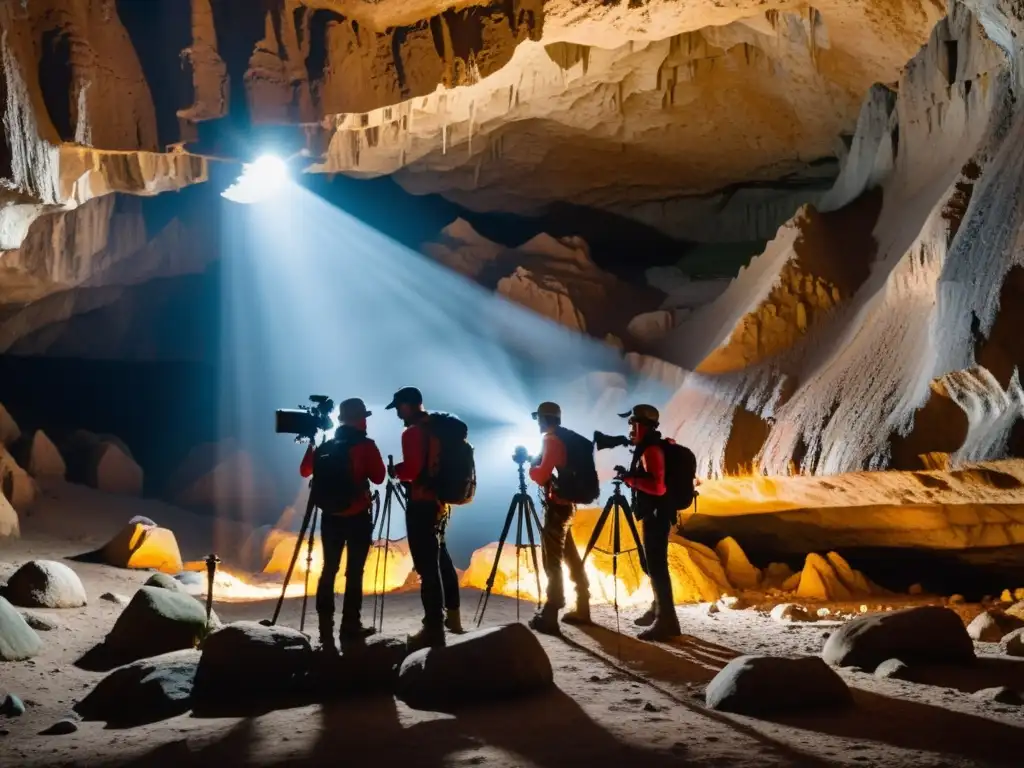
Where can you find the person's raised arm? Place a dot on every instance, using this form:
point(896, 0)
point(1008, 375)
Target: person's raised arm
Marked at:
point(413, 454)
point(653, 480)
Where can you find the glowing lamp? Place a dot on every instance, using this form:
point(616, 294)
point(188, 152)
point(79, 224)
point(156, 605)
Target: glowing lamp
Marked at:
point(260, 180)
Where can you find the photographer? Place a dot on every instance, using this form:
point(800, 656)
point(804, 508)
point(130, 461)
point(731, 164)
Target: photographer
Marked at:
point(342, 470)
point(646, 476)
point(562, 448)
point(425, 518)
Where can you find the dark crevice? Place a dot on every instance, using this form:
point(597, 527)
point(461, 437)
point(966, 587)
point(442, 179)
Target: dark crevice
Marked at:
point(160, 30)
point(466, 31)
point(316, 59)
point(298, 19)
point(397, 41)
point(895, 141)
point(55, 80)
point(6, 153)
point(437, 33)
point(951, 61)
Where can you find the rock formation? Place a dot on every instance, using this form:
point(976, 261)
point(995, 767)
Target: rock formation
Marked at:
point(872, 332)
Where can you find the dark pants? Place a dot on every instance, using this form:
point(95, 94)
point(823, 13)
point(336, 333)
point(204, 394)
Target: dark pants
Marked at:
point(657, 527)
point(557, 544)
point(439, 582)
point(337, 533)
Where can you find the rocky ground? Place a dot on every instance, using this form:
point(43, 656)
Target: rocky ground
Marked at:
point(616, 701)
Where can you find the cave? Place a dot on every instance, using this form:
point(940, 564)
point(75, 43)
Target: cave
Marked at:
point(313, 316)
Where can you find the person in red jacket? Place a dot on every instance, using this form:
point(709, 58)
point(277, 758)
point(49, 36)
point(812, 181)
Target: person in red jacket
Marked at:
point(647, 478)
point(557, 544)
point(349, 524)
point(425, 520)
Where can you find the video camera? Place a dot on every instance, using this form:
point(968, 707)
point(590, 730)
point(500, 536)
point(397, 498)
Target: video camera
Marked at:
point(603, 442)
point(305, 421)
point(521, 456)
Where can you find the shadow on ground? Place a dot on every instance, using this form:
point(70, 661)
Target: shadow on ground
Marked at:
point(688, 664)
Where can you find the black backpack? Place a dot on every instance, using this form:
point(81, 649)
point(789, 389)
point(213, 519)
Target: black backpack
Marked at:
point(333, 487)
point(453, 476)
point(577, 481)
point(680, 474)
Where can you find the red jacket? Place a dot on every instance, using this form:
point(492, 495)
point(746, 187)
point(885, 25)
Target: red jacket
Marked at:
point(552, 457)
point(367, 465)
point(653, 462)
point(417, 444)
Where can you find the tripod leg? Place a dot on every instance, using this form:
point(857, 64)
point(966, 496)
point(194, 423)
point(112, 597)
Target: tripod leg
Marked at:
point(295, 557)
point(640, 553)
point(309, 567)
point(598, 528)
point(383, 513)
point(482, 602)
point(519, 548)
point(531, 512)
point(387, 548)
point(616, 549)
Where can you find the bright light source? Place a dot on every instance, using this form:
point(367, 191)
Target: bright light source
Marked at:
point(261, 180)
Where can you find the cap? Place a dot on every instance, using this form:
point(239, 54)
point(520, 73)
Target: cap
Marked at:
point(551, 410)
point(645, 413)
point(406, 396)
point(353, 408)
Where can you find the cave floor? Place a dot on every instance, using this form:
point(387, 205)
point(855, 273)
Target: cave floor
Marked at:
point(618, 702)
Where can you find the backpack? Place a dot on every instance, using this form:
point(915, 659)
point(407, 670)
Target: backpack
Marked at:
point(333, 487)
point(577, 481)
point(680, 474)
point(451, 472)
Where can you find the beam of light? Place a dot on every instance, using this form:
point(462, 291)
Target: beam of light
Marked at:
point(261, 180)
point(316, 301)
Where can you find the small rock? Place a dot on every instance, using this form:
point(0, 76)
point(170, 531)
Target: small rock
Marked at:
point(61, 728)
point(956, 600)
point(45, 584)
point(40, 621)
point(826, 635)
point(788, 612)
point(1013, 643)
point(710, 609)
point(192, 578)
point(115, 598)
point(757, 685)
point(12, 706)
point(863, 609)
point(1002, 695)
point(649, 707)
point(892, 669)
point(731, 603)
point(991, 626)
point(1006, 596)
point(824, 613)
point(1018, 593)
point(915, 589)
point(163, 581)
point(928, 634)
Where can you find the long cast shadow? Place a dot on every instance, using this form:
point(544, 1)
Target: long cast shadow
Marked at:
point(898, 722)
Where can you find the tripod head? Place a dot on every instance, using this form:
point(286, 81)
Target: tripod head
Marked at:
point(520, 457)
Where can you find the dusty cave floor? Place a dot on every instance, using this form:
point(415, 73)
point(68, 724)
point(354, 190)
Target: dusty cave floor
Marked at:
point(619, 702)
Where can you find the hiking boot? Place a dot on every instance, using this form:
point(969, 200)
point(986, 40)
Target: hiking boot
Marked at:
point(327, 634)
point(354, 632)
point(430, 636)
point(664, 628)
point(546, 620)
point(581, 614)
point(453, 621)
point(645, 619)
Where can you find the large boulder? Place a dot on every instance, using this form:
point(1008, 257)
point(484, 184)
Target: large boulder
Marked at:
point(247, 660)
point(144, 691)
point(8, 519)
point(139, 545)
point(760, 685)
point(992, 626)
point(492, 663)
point(1013, 643)
point(9, 431)
point(15, 483)
point(102, 462)
point(925, 634)
point(157, 621)
point(45, 584)
point(18, 640)
point(738, 569)
point(38, 455)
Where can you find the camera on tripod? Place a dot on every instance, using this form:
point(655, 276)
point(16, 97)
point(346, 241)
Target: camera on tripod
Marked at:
point(603, 442)
point(307, 420)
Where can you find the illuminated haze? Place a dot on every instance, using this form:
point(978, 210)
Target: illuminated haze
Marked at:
point(317, 302)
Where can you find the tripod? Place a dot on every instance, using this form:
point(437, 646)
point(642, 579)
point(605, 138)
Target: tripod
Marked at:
point(523, 509)
point(308, 522)
point(617, 504)
point(382, 521)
